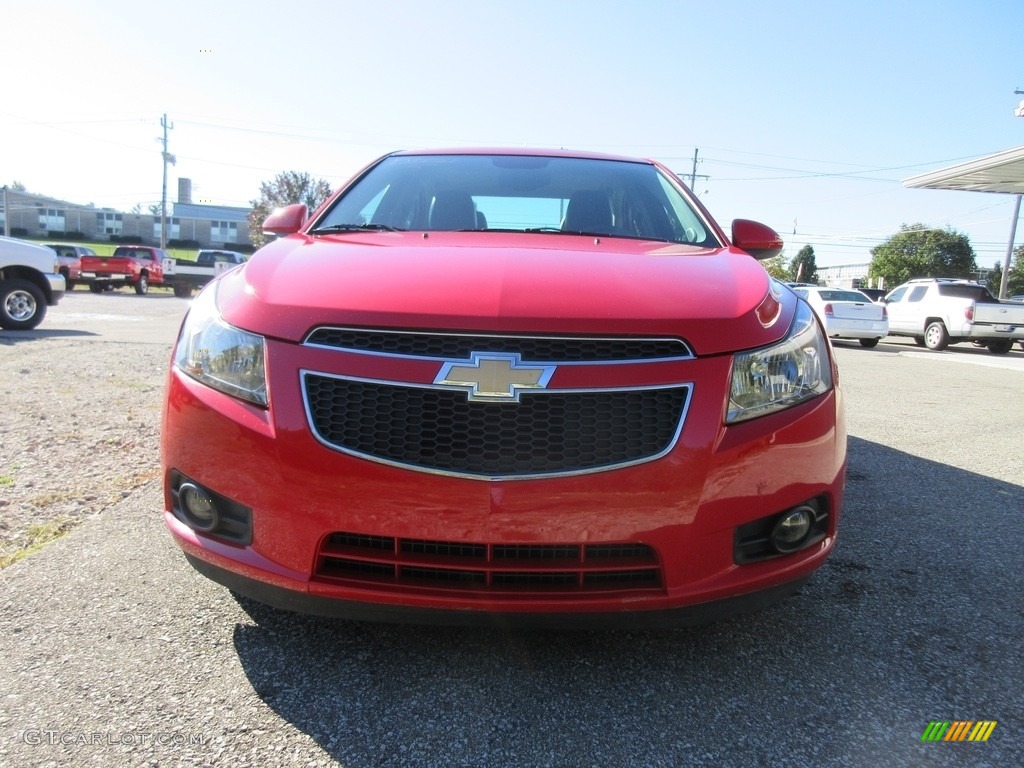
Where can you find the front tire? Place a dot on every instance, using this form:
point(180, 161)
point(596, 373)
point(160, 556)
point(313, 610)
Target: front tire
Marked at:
point(22, 304)
point(869, 343)
point(142, 285)
point(936, 337)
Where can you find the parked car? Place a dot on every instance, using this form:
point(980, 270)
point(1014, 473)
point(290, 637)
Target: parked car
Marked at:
point(70, 258)
point(511, 386)
point(29, 283)
point(847, 314)
point(937, 312)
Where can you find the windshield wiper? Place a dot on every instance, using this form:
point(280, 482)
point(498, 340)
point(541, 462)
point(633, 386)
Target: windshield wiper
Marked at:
point(354, 228)
point(620, 235)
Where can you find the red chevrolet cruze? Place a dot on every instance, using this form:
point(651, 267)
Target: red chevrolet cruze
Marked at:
point(536, 388)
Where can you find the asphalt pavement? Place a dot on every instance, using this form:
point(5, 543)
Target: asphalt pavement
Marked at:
point(113, 651)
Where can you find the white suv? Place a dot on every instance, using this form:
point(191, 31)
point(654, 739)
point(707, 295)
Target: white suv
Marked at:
point(937, 312)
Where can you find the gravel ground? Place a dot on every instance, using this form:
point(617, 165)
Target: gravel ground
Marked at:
point(114, 652)
point(78, 432)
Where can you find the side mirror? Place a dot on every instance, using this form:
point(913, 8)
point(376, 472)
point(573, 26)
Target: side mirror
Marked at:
point(755, 238)
point(286, 220)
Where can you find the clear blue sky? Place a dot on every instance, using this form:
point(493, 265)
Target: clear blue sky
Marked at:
point(802, 111)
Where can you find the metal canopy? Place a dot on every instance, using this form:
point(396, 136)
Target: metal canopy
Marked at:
point(1002, 172)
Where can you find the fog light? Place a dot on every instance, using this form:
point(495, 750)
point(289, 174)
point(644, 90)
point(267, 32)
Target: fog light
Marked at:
point(791, 530)
point(198, 507)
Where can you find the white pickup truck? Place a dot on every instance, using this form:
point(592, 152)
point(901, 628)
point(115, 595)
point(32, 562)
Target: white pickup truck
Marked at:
point(185, 275)
point(937, 312)
point(29, 282)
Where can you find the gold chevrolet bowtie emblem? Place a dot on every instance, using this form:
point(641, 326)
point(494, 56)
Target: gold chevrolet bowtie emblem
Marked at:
point(494, 377)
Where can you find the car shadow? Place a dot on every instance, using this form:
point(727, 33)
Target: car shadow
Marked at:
point(916, 616)
point(11, 338)
point(155, 292)
point(897, 344)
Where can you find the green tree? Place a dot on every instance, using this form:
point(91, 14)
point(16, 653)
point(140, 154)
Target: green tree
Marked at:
point(803, 268)
point(286, 188)
point(1015, 278)
point(920, 251)
point(994, 278)
point(17, 186)
point(776, 267)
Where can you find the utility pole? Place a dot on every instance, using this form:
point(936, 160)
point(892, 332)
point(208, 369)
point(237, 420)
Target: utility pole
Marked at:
point(693, 174)
point(7, 215)
point(168, 158)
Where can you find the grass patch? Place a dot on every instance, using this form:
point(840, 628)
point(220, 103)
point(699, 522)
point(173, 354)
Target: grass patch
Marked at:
point(38, 537)
point(7, 480)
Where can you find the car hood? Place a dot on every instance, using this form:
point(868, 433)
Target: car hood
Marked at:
point(505, 283)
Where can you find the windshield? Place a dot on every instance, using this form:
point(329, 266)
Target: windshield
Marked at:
point(521, 194)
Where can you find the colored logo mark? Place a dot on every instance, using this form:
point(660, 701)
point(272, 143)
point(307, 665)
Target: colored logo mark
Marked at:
point(958, 730)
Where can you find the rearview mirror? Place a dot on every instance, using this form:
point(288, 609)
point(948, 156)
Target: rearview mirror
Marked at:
point(758, 240)
point(286, 220)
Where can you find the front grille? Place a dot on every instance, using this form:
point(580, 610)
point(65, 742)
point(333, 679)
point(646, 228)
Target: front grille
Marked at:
point(533, 348)
point(496, 569)
point(545, 433)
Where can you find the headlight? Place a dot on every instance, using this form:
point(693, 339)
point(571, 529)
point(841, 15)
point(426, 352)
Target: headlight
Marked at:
point(220, 355)
point(781, 376)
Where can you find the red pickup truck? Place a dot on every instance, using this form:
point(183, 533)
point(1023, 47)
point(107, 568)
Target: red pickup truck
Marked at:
point(138, 266)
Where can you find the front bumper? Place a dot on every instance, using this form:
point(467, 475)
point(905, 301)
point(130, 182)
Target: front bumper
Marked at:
point(683, 509)
point(352, 610)
point(57, 287)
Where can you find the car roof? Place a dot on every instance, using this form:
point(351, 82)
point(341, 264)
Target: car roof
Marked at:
point(521, 152)
point(955, 280)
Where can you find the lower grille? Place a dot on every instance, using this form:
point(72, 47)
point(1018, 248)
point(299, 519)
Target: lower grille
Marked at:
point(545, 433)
point(496, 569)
